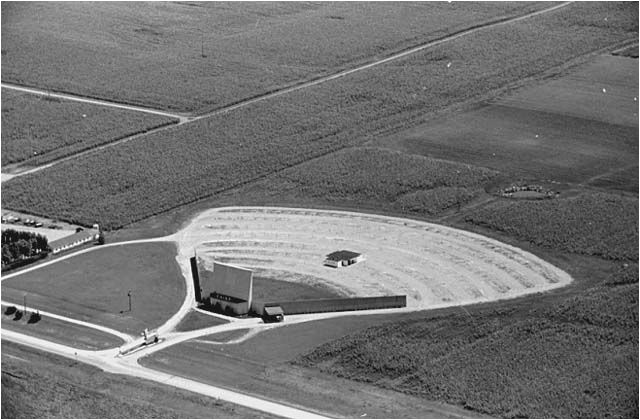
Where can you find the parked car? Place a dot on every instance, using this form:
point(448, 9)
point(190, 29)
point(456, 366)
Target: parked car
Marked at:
point(38, 224)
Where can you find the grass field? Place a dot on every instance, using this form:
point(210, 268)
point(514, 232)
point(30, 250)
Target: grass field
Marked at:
point(507, 363)
point(93, 287)
point(37, 129)
point(195, 320)
point(58, 331)
point(178, 166)
point(41, 385)
point(152, 53)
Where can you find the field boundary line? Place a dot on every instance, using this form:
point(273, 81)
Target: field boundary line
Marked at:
point(90, 100)
point(126, 337)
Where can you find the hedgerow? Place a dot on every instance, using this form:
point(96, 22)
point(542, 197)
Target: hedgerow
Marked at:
point(578, 358)
point(599, 224)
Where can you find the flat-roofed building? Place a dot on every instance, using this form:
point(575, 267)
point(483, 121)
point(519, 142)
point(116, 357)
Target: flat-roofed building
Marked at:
point(343, 258)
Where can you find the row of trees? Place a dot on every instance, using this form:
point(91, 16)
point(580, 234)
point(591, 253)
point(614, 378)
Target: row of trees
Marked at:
point(20, 245)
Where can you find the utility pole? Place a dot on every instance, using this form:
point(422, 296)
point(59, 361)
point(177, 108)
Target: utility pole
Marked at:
point(25, 304)
point(129, 295)
point(202, 44)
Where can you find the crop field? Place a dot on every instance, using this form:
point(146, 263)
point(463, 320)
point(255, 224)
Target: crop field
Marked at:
point(152, 54)
point(507, 363)
point(600, 224)
point(41, 385)
point(160, 172)
point(379, 178)
point(38, 129)
point(433, 265)
point(578, 128)
point(93, 287)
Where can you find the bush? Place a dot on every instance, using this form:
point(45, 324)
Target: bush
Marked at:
point(10, 310)
point(35, 317)
point(17, 316)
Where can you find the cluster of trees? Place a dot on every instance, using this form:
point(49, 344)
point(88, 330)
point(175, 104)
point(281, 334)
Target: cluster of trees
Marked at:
point(19, 245)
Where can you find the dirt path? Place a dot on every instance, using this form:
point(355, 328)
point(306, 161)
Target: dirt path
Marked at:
point(184, 119)
point(102, 102)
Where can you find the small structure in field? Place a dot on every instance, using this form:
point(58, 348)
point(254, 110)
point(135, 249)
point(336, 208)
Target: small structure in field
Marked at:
point(343, 258)
point(272, 314)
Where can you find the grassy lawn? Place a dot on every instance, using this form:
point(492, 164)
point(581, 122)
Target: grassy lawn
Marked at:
point(40, 385)
point(93, 287)
point(272, 289)
point(196, 320)
point(152, 54)
point(139, 179)
point(58, 331)
point(37, 129)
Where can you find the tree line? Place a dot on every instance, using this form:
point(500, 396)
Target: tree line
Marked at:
point(20, 245)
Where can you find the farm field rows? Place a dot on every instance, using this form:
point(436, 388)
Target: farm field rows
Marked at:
point(581, 125)
point(93, 287)
point(152, 54)
point(433, 265)
point(600, 224)
point(160, 172)
point(379, 178)
point(38, 129)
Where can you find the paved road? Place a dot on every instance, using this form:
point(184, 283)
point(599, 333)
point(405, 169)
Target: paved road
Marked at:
point(243, 103)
